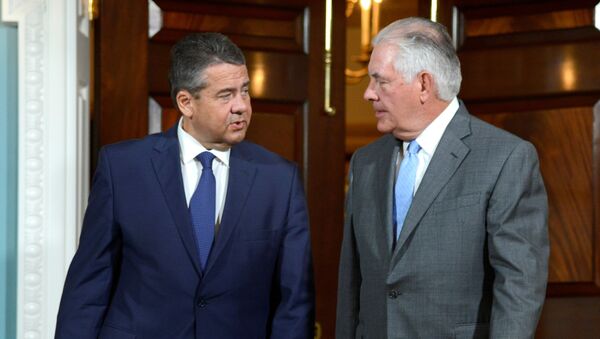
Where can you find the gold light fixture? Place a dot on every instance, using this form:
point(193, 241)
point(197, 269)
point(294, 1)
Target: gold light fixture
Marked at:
point(369, 26)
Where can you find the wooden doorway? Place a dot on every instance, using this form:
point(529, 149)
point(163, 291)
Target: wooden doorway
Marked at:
point(531, 67)
point(284, 47)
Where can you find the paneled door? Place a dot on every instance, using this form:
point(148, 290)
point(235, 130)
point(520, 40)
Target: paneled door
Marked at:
point(283, 42)
point(532, 68)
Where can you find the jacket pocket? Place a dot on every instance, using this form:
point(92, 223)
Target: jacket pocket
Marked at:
point(109, 332)
point(472, 331)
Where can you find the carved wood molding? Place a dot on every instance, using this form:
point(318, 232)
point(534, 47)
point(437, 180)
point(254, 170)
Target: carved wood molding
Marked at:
point(52, 153)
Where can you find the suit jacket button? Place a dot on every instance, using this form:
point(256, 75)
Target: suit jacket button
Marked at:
point(393, 294)
point(201, 303)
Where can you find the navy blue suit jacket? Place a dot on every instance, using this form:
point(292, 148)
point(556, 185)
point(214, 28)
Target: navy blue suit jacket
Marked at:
point(136, 272)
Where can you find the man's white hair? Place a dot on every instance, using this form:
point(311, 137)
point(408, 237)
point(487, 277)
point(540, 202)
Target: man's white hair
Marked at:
point(424, 45)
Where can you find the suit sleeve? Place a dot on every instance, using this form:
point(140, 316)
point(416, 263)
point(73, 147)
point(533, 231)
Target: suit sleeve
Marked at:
point(294, 315)
point(90, 278)
point(349, 278)
point(518, 245)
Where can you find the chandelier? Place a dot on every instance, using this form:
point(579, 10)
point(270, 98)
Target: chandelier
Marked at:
point(369, 26)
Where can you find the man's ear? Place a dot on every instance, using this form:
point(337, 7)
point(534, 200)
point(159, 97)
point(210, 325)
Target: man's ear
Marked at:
point(184, 103)
point(427, 86)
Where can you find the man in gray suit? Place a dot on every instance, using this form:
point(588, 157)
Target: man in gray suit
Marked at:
point(446, 216)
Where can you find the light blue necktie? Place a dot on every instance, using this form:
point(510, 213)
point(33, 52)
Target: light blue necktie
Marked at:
point(202, 208)
point(405, 184)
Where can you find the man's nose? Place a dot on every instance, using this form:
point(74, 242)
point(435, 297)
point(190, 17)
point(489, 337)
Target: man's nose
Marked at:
point(370, 94)
point(240, 104)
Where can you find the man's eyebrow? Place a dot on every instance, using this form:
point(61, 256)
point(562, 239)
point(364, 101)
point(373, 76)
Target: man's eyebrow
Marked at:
point(376, 76)
point(232, 89)
point(225, 90)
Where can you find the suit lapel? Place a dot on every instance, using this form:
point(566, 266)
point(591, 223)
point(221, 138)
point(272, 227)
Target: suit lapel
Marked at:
point(385, 175)
point(449, 154)
point(241, 177)
point(166, 163)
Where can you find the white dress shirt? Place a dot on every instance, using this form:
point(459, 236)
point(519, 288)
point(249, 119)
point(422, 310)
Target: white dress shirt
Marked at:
point(429, 140)
point(191, 169)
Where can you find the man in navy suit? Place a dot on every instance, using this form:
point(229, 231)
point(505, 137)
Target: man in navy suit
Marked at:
point(150, 265)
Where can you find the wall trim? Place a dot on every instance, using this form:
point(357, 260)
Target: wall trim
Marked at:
point(52, 110)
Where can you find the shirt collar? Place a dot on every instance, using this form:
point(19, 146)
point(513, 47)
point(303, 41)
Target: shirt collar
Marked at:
point(190, 147)
point(432, 134)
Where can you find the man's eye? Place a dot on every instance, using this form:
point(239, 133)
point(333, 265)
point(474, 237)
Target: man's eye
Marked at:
point(225, 96)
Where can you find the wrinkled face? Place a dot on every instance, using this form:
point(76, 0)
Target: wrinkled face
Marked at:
point(397, 103)
point(219, 115)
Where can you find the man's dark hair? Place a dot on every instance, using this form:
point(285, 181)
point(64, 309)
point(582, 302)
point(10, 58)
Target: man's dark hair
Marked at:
point(193, 54)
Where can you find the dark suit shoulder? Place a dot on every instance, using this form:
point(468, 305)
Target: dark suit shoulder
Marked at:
point(133, 148)
point(483, 128)
point(487, 136)
point(258, 154)
point(270, 166)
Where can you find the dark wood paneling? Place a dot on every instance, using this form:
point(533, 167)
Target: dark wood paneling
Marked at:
point(504, 7)
point(525, 16)
point(563, 138)
point(283, 29)
point(278, 76)
point(566, 19)
point(325, 171)
point(596, 190)
point(523, 23)
point(572, 318)
point(572, 289)
point(529, 38)
point(121, 101)
point(273, 76)
point(158, 66)
point(533, 103)
point(537, 70)
point(285, 137)
point(251, 26)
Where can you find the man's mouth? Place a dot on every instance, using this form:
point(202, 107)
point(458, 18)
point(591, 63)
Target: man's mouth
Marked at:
point(237, 125)
point(379, 113)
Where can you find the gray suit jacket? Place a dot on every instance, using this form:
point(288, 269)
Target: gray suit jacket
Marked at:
point(472, 257)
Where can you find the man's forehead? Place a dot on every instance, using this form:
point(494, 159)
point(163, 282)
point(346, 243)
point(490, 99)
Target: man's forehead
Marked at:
point(223, 69)
point(382, 60)
point(226, 73)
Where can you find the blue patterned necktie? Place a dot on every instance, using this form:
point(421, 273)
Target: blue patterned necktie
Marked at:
point(202, 208)
point(405, 184)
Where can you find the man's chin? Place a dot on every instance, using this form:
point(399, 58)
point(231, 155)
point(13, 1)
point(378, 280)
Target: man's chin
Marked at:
point(384, 128)
point(236, 139)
